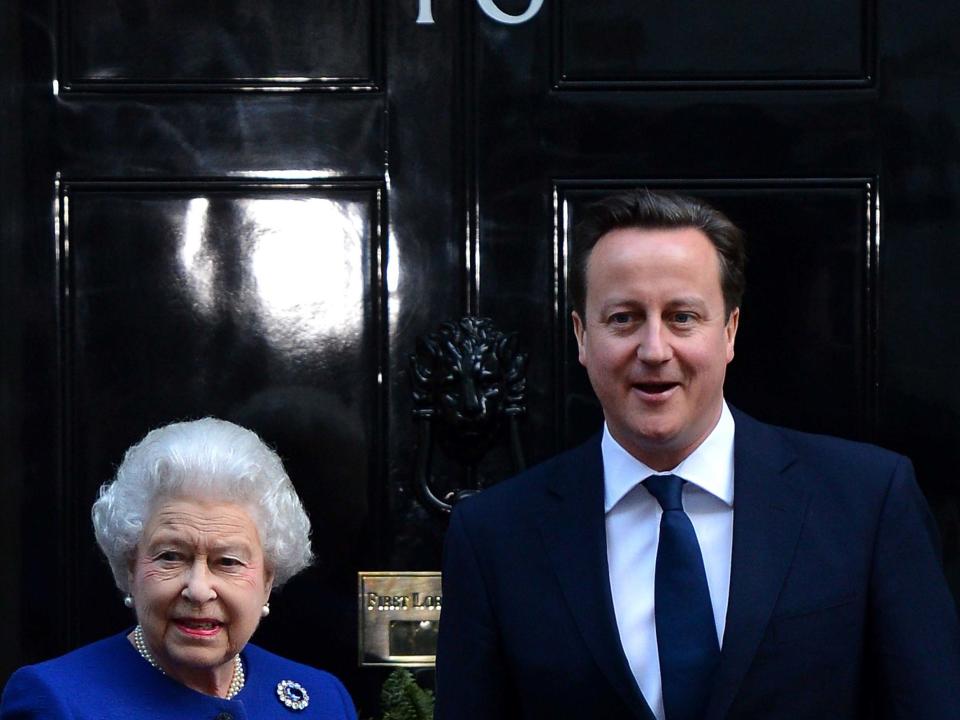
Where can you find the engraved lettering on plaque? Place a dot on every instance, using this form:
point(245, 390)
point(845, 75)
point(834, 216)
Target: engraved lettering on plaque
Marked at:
point(399, 617)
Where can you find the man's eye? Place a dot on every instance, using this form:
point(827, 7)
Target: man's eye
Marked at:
point(682, 318)
point(621, 318)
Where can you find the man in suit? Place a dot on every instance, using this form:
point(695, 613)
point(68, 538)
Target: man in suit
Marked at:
point(691, 562)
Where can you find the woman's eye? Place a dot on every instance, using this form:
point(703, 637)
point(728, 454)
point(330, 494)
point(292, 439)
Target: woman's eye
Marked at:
point(168, 556)
point(230, 562)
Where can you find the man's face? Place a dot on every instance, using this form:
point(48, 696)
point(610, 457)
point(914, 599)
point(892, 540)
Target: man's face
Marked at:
point(655, 339)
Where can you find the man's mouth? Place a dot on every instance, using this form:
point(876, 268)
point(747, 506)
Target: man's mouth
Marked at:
point(655, 388)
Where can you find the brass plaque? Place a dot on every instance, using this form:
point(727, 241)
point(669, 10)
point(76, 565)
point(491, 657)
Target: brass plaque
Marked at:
point(399, 617)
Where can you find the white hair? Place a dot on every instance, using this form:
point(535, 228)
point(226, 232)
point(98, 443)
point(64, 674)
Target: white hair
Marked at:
point(206, 459)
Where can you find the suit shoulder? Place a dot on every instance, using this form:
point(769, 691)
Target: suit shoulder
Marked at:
point(808, 444)
point(527, 488)
point(841, 463)
point(841, 450)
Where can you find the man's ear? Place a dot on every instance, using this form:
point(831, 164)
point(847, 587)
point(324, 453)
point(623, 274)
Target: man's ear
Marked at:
point(733, 322)
point(579, 329)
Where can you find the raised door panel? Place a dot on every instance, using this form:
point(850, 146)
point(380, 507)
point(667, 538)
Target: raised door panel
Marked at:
point(251, 44)
point(699, 43)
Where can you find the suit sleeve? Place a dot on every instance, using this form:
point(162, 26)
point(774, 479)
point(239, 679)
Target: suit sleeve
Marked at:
point(28, 696)
point(471, 681)
point(913, 631)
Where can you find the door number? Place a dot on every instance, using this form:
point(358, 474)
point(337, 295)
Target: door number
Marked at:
point(489, 7)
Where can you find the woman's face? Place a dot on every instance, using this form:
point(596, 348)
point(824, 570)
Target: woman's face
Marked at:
point(199, 583)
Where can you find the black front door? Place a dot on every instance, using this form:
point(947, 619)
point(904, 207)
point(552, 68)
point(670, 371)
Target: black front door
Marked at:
point(253, 209)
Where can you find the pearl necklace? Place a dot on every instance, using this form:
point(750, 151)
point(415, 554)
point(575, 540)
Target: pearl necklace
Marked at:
point(236, 682)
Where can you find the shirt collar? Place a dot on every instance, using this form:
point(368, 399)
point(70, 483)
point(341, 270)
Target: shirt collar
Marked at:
point(709, 466)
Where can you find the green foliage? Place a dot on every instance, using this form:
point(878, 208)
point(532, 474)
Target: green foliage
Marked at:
point(403, 699)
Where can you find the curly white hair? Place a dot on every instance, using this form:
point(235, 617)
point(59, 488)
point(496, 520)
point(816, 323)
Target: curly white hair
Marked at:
point(207, 459)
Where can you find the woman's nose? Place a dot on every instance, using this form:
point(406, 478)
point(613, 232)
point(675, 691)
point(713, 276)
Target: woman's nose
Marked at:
point(199, 587)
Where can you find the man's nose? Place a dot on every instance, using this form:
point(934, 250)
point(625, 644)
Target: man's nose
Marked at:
point(653, 345)
point(199, 586)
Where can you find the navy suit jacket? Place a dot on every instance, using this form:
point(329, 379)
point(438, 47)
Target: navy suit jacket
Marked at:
point(108, 680)
point(838, 606)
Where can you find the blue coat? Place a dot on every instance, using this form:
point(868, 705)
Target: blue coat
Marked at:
point(108, 680)
point(838, 606)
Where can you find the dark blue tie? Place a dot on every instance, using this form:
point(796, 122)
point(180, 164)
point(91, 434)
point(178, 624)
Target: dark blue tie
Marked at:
point(686, 632)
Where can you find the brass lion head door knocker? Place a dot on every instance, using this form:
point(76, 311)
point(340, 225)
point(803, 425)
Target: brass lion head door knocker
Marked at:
point(469, 387)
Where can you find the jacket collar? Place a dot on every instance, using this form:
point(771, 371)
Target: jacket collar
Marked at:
point(770, 504)
point(574, 534)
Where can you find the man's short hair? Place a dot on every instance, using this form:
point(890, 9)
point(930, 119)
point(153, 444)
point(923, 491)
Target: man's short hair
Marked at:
point(649, 210)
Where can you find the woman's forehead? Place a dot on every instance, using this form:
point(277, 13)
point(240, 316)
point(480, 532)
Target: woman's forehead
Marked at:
point(200, 519)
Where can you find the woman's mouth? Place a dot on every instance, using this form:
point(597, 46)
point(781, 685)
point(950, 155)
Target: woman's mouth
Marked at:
point(199, 628)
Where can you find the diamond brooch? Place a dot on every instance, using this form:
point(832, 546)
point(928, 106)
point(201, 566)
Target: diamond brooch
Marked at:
point(293, 694)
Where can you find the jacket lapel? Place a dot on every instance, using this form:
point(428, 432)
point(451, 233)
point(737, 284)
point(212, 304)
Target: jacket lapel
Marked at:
point(769, 509)
point(574, 533)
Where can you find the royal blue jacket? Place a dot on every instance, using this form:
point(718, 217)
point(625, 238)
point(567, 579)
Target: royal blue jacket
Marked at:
point(108, 680)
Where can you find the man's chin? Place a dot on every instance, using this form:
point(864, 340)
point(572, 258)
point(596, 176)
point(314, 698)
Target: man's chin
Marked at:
point(652, 444)
point(656, 430)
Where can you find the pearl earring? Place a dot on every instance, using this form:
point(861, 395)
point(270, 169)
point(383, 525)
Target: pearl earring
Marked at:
point(265, 610)
point(128, 601)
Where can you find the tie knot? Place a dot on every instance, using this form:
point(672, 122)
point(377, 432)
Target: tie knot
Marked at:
point(667, 489)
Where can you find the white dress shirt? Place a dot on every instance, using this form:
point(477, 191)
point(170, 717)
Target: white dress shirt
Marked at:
point(633, 529)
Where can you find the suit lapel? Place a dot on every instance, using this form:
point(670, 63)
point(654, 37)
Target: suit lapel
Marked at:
point(574, 534)
point(769, 509)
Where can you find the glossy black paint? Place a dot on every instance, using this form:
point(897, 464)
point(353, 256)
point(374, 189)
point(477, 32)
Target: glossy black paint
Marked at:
point(12, 458)
point(695, 43)
point(398, 175)
point(244, 44)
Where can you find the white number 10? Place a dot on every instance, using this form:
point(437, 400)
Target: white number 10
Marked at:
point(425, 15)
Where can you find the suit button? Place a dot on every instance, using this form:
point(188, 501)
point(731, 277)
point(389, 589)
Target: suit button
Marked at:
point(224, 716)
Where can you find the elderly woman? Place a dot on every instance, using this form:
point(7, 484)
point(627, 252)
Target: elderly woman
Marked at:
point(200, 523)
